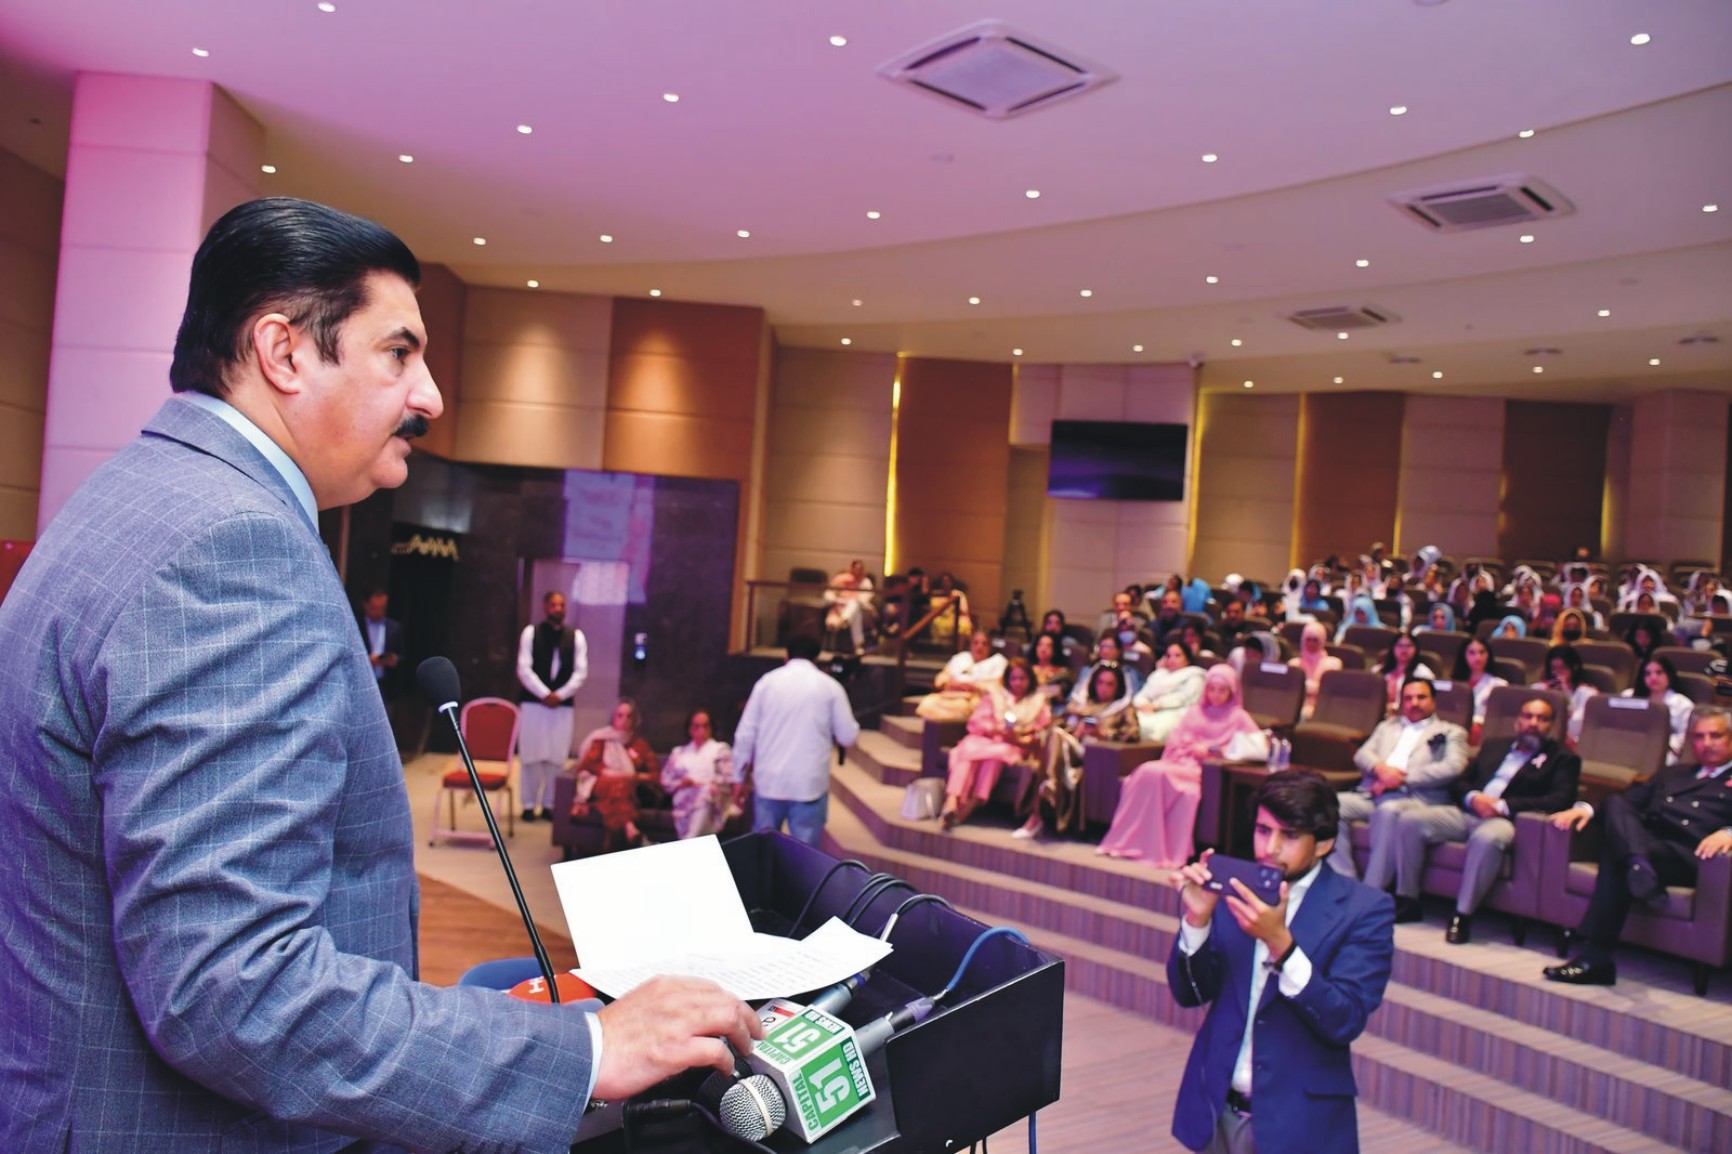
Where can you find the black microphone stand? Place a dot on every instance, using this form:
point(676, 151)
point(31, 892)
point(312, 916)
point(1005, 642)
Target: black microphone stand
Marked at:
point(438, 678)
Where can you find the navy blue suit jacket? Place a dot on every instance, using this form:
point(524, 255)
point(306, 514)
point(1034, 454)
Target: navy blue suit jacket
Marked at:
point(1302, 1084)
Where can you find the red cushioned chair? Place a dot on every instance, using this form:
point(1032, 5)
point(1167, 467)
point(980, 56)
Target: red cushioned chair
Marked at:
point(489, 727)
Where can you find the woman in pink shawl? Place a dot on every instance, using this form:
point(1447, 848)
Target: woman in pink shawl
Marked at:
point(1158, 800)
point(1007, 727)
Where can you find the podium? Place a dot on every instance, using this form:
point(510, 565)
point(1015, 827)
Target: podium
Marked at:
point(989, 1056)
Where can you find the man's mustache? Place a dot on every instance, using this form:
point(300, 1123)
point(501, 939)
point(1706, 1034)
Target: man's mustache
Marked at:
point(412, 427)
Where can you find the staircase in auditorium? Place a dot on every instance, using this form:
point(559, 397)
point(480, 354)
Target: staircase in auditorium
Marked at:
point(1469, 1043)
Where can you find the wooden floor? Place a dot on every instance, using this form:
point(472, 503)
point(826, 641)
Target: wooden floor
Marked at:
point(459, 930)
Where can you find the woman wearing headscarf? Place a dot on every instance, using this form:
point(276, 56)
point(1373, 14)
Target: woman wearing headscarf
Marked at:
point(1007, 727)
point(1399, 665)
point(1314, 661)
point(699, 776)
point(1658, 681)
point(1362, 610)
point(615, 760)
point(1174, 686)
point(1577, 597)
point(1570, 627)
point(1157, 812)
point(1104, 713)
point(1440, 618)
point(1702, 599)
point(1511, 626)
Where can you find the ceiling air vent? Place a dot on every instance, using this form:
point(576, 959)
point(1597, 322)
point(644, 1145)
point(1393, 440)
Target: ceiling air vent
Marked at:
point(1339, 318)
point(1483, 203)
point(995, 71)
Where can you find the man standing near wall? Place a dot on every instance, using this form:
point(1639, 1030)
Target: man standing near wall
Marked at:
point(552, 664)
point(793, 721)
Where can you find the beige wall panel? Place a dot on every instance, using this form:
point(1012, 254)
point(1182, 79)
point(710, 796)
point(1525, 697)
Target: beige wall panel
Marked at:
point(531, 317)
point(1451, 475)
point(1615, 514)
point(961, 537)
point(807, 430)
point(126, 387)
point(223, 190)
point(20, 447)
point(1091, 393)
point(1245, 482)
point(703, 332)
point(18, 513)
point(536, 435)
point(27, 287)
point(1081, 593)
point(846, 480)
point(23, 366)
point(1451, 491)
point(657, 382)
point(807, 527)
point(31, 199)
point(1033, 404)
point(678, 444)
point(533, 374)
point(814, 378)
point(441, 299)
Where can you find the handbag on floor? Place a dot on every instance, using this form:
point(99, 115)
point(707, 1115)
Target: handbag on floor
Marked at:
point(923, 799)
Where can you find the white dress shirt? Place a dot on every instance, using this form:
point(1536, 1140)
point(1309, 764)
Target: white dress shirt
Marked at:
point(795, 717)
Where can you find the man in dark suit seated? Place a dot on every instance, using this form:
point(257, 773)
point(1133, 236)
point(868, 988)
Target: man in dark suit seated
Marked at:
point(1655, 835)
point(1288, 986)
point(1529, 772)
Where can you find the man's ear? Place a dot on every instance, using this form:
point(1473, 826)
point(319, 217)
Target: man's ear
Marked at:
point(274, 341)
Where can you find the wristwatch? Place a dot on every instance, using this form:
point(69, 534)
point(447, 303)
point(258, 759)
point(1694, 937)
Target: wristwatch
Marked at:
point(1275, 964)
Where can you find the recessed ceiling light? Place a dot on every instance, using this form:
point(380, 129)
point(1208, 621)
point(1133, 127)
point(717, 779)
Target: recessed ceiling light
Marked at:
point(405, 158)
point(857, 302)
point(1341, 336)
point(1210, 158)
point(1340, 380)
point(1032, 194)
point(1539, 368)
point(671, 97)
point(655, 292)
point(1398, 110)
point(605, 238)
point(971, 300)
point(201, 53)
point(533, 283)
point(1235, 342)
point(525, 129)
point(1085, 292)
point(847, 340)
point(1016, 352)
point(1361, 263)
point(267, 169)
point(743, 233)
point(1136, 348)
point(1710, 208)
point(1526, 238)
point(873, 214)
point(1211, 280)
point(1250, 384)
point(1654, 361)
point(839, 41)
point(480, 240)
point(327, 6)
point(1640, 39)
point(1605, 312)
point(1525, 133)
point(1437, 374)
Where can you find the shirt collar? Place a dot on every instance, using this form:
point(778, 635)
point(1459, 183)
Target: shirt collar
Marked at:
point(1298, 889)
point(272, 452)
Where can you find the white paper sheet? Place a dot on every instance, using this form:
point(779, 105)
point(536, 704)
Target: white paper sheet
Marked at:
point(673, 909)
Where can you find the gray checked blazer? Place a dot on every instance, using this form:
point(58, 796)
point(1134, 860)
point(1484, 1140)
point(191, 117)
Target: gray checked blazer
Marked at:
point(207, 890)
point(1438, 760)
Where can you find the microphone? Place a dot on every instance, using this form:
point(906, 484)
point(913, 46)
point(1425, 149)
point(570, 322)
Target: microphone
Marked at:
point(749, 1107)
point(438, 680)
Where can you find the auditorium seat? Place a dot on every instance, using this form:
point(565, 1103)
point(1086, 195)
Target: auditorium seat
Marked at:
point(1350, 703)
point(1623, 738)
point(1505, 703)
point(1617, 657)
point(1375, 640)
point(1439, 648)
point(1687, 660)
point(1698, 687)
point(1274, 692)
point(1454, 701)
point(1530, 651)
point(1105, 764)
point(1352, 657)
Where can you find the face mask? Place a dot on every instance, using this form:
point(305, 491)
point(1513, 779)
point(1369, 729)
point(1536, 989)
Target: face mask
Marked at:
point(1572, 635)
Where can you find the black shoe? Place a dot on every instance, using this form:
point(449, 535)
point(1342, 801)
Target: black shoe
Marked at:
point(1460, 931)
point(527, 815)
point(1579, 973)
point(1644, 883)
point(544, 815)
point(1408, 910)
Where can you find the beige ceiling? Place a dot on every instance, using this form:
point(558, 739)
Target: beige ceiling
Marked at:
point(778, 132)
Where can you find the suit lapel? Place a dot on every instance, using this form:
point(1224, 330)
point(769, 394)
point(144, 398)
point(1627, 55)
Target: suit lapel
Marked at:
point(207, 433)
point(1319, 911)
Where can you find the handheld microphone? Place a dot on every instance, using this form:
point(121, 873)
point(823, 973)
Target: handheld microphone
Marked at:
point(749, 1107)
point(438, 680)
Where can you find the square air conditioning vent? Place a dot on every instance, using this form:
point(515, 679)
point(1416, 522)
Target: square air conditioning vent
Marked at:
point(1340, 318)
point(991, 69)
point(1483, 203)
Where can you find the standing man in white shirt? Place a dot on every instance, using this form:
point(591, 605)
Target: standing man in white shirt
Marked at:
point(793, 721)
point(552, 664)
point(1288, 986)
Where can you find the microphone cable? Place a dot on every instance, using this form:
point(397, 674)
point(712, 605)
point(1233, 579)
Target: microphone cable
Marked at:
point(967, 958)
point(819, 888)
point(896, 914)
point(870, 893)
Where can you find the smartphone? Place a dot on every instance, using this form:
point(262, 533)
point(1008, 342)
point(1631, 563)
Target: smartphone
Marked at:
point(1262, 880)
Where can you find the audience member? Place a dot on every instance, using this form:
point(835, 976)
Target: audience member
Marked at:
point(1232, 622)
point(793, 721)
point(955, 621)
point(1703, 599)
point(1008, 727)
point(1174, 686)
point(1473, 668)
point(1107, 652)
point(1570, 627)
point(699, 776)
point(1361, 610)
point(1577, 597)
point(1564, 666)
point(1510, 626)
point(1545, 615)
point(1158, 800)
point(1486, 607)
point(384, 638)
point(1314, 660)
point(1104, 713)
point(1408, 760)
point(1657, 680)
point(964, 677)
point(1440, 618)
point(1052, 671)
point(1401, 664)
point(849, 596)
point(1643, 637)
point(552, 664)
point(1053, 622)
point(1656, 834)
point(1122, 618)
point(614, 762)
point(1195, 598)
point(1170, 616)
point(1529, 773)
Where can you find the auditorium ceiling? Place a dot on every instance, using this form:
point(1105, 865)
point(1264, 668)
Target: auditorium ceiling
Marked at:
point(887, 219)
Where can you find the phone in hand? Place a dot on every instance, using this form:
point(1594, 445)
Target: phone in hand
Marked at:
point(1262, 880)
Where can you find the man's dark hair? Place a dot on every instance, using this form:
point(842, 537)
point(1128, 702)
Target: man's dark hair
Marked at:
point(1301, 801)
point(301, 259)
point(804, 646)
point(1425, 681)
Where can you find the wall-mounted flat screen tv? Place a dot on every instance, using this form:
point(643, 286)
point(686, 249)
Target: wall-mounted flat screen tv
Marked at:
point(1118, 461)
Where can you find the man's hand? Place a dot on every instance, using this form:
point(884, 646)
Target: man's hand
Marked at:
point(1717, 843)
point(1574, 817)
point(388, 660)
point(1198, 904)
point(668, 1025)
point(1388, 778)
point(1266, 923)
point(551, 700)
point(1483, 806)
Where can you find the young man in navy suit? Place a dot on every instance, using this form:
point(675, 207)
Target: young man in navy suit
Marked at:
point(1288, 986)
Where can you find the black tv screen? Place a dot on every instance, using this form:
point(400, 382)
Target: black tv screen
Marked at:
point(1117, 461)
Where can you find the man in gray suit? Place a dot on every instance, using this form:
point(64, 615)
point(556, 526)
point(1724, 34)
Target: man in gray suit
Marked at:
point(208, 901)
point(1408, 760)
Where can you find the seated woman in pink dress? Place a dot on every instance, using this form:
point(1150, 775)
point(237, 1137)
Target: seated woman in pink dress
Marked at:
point(1158, 800)
point(1314, 661)
point(1008, 726)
